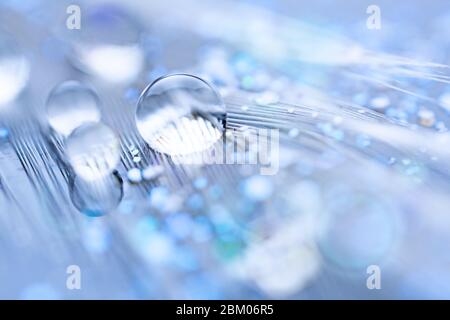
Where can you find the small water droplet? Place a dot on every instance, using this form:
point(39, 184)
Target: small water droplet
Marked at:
point(71, 104)
point(96, 198)
point(134, 175)
point(134, 151)
point(93, 150)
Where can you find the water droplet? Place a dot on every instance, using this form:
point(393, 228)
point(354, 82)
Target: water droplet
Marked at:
point(96, 198)
point(14, 69)
point(137, 159)
point(71, 104)
point(134, 175)
point(180, 114)
point(133, 150)
point(108, 45)
point(93, 150)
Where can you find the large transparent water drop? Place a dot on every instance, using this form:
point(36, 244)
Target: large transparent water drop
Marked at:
point(14, 69)
point(96, 198)
point(71, 104)
point(108, 45)
point(93, 151)
point(180, 114)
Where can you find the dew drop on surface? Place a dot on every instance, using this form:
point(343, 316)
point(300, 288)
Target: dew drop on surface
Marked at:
point(71, 104)
point(108, 45)
point(96, 198)
point(14, 69)
point(134, 175)
point(93, 150)
point(180, 114)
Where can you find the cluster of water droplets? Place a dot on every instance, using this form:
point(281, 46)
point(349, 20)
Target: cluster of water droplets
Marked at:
point(91, 147)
